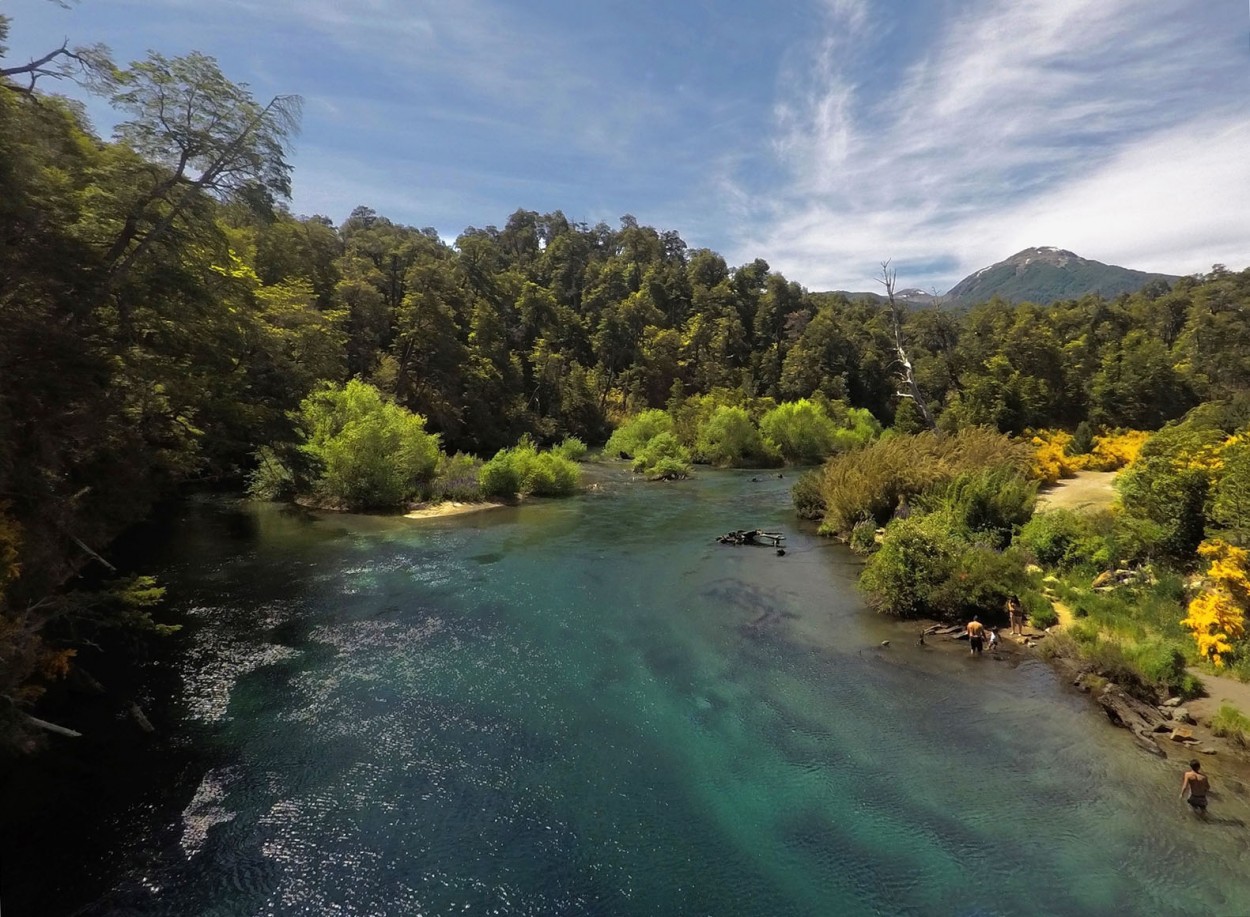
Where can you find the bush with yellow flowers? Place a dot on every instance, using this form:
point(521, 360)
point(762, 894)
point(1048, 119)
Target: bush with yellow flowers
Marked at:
point(1217, 614)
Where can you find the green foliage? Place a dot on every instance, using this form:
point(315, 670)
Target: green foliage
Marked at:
point(1230, 494)
point(1167, 486)
point(1149, 668)
point(1060, 538)
point(271, 479)
point(729, 438)
point(1043, 617)
point(806, 495)
point(924, 568)
point(857, 428)
point(663, 457)
point(524, 471)
point(801, 430)
point(456, 478)
point(571, 448)
point(994, 502)
point(369, 453)
point(630, 438)
point(870, 481)
point(1082, 442)
point(863, 538)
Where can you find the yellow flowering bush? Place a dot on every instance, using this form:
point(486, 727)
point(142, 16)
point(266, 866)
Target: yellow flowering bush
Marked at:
point(1050, 459)
point(1113, 450)
point(1217, 615)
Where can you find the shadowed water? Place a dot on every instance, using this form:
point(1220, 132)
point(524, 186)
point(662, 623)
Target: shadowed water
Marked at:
point(587, 706)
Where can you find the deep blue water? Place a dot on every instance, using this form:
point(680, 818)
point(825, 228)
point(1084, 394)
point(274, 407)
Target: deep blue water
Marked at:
point(588, 707)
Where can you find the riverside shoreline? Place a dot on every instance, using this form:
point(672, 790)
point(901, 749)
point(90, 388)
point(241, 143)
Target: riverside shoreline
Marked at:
point(1224, 760)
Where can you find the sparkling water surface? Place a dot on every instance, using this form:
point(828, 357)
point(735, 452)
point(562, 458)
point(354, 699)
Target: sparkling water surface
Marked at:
point(587, 706)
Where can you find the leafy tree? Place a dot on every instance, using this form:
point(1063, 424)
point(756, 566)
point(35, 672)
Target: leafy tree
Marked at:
point(801, 430)
point(209, 136)
point(368, 452)
point(730, 438)
point(634, 434)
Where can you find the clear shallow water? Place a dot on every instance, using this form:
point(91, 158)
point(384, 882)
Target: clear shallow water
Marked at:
point(587, 706)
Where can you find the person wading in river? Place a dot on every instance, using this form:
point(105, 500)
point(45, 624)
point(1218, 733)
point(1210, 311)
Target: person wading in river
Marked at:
point(976, 636)
point(1197, 784)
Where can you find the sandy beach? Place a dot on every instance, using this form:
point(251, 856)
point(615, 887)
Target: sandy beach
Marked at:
point(448, 508)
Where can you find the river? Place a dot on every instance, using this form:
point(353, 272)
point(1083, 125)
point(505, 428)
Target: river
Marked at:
point(587, 706)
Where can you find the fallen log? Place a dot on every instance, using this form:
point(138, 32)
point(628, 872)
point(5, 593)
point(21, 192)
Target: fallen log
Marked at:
point(52, 727)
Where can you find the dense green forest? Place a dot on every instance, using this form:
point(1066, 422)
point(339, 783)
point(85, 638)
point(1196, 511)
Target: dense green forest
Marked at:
point(167, 319)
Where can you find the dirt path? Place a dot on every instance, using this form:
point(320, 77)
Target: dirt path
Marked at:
point(1220, 690)
point(1088, 490)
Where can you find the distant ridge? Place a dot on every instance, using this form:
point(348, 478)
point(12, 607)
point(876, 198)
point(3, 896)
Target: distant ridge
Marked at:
point(1039, 275)
point(1046, 274)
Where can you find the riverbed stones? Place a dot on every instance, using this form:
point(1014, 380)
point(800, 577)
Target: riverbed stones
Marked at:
point(1182, 715)
point(1172, 702)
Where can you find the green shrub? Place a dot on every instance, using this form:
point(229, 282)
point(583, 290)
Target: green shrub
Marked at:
point(925, 568)
point(870, 481)
point(1232, 724)
point(457, 478)
point(916, 555)
point(991, 501)
point(669, 469)
point(499, 478)
point(571, 448)
point(729, 438)
point(801, 430)
point(523, 470)
point(856, 430)
point(809, 503)
point(1043, 616)
point(663, 456)
point(629, 439)
point(272, 479)
point(370, 452)
point(1059, 538)
point(863, 538)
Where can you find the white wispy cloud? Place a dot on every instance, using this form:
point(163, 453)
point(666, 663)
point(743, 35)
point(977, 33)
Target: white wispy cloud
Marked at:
point(1109, 127)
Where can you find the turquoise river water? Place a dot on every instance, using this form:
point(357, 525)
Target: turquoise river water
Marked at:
point(588, 707)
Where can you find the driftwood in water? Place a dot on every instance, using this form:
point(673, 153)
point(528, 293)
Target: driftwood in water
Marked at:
point(52, 727)
point(752, 536)
point(1141, 719)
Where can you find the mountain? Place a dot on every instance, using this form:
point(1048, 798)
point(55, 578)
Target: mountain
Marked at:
point(1044, 275)
point(915, 297)
point(1040, 275)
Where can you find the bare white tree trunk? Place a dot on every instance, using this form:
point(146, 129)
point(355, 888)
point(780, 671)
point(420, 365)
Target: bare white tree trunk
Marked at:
point(907, 378)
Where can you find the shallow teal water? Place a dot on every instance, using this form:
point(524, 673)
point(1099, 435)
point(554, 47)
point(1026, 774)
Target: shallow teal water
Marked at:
point(587, 706)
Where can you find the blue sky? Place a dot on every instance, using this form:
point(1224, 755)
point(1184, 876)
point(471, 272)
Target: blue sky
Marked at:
point(821, 135)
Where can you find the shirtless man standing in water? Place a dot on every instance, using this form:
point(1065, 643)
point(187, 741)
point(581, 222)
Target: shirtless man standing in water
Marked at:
point(1196, 784)
point(976, 635)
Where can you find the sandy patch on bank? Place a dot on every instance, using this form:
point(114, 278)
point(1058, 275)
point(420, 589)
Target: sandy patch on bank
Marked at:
point(448, 508)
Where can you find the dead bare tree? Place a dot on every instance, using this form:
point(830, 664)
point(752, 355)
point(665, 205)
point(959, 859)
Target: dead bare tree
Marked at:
point(907, 378)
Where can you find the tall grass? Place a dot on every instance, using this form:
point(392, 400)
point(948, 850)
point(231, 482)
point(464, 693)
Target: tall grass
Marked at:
point(867, 483)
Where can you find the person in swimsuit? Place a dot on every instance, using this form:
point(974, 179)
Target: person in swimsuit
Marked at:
point(993, 639)
point(1016, 613)
point(976, 636)
point(1196, 785)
